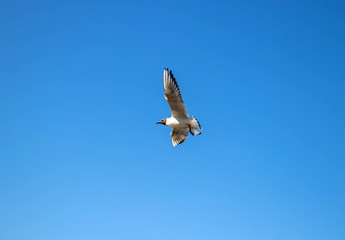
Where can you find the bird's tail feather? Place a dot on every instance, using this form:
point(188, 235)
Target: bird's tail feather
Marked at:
point(196, 123)
point(195, 132)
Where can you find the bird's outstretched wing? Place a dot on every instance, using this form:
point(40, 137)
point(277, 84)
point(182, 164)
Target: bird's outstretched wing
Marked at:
point(173, 95)
point(178, 135)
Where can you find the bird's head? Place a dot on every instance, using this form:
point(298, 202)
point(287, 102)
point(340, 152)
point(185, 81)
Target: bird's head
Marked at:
point(163, 121)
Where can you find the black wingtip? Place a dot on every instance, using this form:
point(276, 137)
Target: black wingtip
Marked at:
point(170, 73)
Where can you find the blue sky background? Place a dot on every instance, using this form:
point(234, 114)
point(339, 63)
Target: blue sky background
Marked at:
point(81, 89)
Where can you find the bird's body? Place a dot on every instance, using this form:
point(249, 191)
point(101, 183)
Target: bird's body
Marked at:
point(181, 123)
point(178, 122)
point(189, 122)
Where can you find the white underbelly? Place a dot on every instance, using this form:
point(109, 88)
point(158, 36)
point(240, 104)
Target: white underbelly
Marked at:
point(177, 122)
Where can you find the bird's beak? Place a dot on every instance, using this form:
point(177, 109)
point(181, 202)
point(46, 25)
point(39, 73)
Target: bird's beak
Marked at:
point(159, 122)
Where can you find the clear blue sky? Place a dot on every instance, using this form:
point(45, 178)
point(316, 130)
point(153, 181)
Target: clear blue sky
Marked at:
point(81, 90)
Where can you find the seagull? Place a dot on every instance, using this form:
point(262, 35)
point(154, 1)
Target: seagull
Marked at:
point(181, 123)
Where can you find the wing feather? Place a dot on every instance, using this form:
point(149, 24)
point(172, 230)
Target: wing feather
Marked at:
point(178, 135)
point(173, 95)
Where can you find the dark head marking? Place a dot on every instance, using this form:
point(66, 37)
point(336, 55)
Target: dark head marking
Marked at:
point(163, 121)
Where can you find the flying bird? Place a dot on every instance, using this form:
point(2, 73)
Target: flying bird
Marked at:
point(181, 123)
